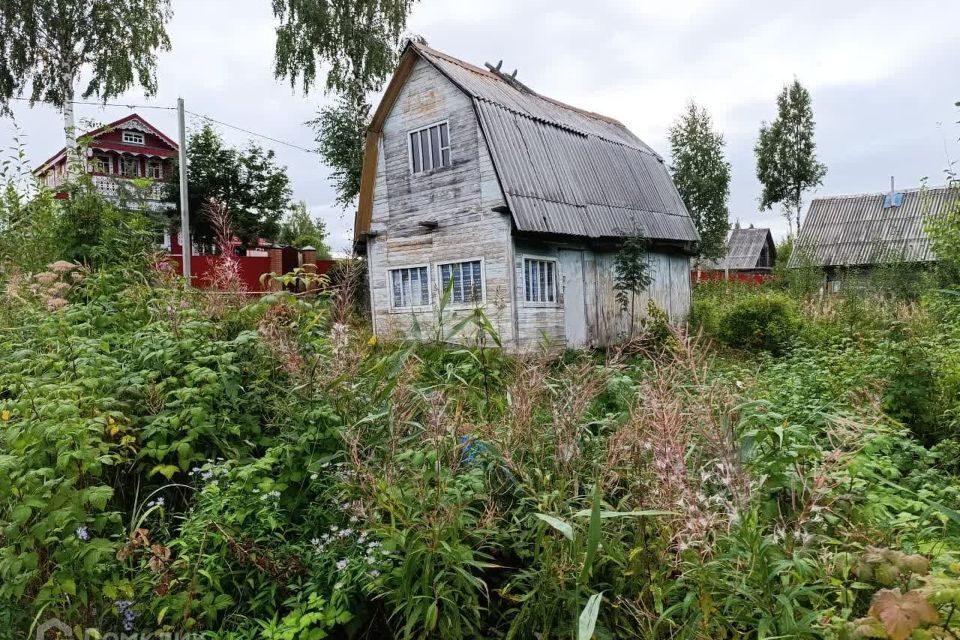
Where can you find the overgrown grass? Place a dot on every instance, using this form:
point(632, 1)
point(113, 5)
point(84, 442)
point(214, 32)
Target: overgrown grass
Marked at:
point(180, 461)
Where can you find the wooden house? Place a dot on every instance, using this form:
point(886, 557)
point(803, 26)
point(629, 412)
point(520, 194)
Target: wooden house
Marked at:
point(116, 154)
point(858, 232)
point(751, 254)
point(520, 200)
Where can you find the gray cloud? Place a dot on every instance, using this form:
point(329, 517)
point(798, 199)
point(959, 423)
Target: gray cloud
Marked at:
point(882, 75)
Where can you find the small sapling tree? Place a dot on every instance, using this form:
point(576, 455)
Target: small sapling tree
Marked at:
point(632, 273)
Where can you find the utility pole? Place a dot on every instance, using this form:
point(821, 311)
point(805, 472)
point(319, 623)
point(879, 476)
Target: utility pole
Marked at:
point(186, 246)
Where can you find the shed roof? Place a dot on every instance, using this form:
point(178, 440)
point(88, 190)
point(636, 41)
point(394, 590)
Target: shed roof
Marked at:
point(563, 170)
point(744, 247)
point(857, 230)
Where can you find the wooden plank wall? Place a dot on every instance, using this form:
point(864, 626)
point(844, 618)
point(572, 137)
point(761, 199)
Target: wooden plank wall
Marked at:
point(458, 198)
point(606, 323)
point(670, 290)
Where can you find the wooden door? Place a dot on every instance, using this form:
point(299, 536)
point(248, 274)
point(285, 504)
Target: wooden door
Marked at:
point(574, 300)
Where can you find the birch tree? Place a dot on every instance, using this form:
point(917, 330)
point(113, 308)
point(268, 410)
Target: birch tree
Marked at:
point(46, 46)
point(355, 40)
point(787, 163)
point(702, 176)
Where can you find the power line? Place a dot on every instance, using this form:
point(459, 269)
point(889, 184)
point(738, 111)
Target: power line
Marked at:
point(198, 115)
point(253, 133)
point(101, 104)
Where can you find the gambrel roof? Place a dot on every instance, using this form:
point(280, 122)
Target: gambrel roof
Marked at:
point(860, 230)
point(564, 171)
point(744, 249)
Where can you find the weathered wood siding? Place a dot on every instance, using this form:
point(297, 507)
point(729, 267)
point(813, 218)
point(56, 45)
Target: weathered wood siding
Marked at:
point(670, 290)
point(605, 323)
point(458, 198)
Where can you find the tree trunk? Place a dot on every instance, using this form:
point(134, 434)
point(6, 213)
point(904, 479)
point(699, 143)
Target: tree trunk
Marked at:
point(799, 206)
point(73, 161)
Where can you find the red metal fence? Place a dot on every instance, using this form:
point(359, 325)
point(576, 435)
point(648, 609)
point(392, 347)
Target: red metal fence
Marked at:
point(252, 268)
point(742, 276)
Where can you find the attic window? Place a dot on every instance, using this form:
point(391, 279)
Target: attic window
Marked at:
point(132, 137)
point(430, 148)
point(892, 199)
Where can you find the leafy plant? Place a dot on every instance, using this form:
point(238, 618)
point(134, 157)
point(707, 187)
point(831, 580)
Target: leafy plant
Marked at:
point(632, 273)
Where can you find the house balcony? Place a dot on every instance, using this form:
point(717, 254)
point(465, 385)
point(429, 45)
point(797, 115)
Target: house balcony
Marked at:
point(125, 191)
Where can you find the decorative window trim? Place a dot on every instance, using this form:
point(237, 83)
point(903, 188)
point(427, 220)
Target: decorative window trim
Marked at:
point(136, 173)
point(483, 281)
point(524, 257)
point(95, 162)
point(159, 165)
point(133, 137)
point(441, 149)
point(412, 307)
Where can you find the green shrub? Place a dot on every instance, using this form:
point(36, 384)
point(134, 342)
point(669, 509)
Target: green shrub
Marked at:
point(760, 321)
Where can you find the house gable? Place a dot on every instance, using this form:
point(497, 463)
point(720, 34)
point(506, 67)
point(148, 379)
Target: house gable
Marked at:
point(448, 195)
point(110, 138)
point(563, 171)
point(421, 220)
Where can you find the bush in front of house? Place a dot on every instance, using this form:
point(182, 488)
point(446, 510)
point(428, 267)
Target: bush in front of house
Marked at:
point(751, 319)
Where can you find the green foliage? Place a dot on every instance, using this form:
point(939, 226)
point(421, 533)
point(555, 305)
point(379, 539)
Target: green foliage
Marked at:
point(786, 153)
point(943, 229)
point(632, 273)
point(47, 44)
point(801, 279)
point(248, 182)
point(173, 464)
point(300, 230)
point(28, 215)
point(702, 176)
point(94, 231)
point(758, 320)
point(341, 135)
point(355, 41)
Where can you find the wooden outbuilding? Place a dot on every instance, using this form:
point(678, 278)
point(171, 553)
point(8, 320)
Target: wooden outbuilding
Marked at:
point(859, 232)
point(751, 254)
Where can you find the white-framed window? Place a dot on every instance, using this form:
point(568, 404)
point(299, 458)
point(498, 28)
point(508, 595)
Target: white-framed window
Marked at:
point(467, 278)
point(130, 167)
point(430, 148)
point(132, 137)
point(540, 280)
point(410, 287)
point(101, 164)
point(155, 170)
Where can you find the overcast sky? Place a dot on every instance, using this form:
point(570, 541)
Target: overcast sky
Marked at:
point(884, 77)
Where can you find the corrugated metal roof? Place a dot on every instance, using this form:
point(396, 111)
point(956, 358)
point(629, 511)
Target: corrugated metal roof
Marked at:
point(857, 230)
point(568, 171)
point(744, 247)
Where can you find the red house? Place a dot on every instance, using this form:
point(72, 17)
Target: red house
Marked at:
point(117, 153)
